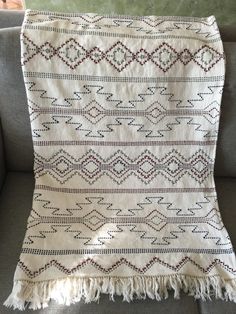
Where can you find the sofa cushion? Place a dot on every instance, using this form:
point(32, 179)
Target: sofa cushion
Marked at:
point(12, 19)
point(226, 148)
point(15, 205)
point(13, 106)
point(2, 159)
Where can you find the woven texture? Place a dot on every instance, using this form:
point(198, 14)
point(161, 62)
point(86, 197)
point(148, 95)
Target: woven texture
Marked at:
point(124, 115)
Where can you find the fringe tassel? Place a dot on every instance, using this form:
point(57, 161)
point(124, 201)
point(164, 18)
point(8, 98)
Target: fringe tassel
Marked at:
point(36, 295)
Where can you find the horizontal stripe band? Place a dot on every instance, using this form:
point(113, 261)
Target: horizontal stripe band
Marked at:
point(131, 191)
point(119, 35)
point(125, 251)
point(117, 143)
point(121, 79)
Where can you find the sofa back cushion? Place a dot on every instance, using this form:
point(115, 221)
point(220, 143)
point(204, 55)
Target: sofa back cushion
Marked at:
point(15, 118)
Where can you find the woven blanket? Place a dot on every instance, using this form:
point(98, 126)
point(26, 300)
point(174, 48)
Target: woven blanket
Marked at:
point(124, 115)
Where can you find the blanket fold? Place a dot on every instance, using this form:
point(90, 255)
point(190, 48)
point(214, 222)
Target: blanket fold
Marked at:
point(124, 114)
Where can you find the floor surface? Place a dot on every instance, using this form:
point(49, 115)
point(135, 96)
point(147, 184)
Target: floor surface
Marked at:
point(11, 5)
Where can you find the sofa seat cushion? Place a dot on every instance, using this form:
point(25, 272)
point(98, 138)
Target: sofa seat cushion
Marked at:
point(15, 205)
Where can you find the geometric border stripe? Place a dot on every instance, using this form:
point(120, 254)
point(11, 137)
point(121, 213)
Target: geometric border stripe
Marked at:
point(150, 190)
point(120, 143)
point(125, 251)
point(121, 79)
point(119, 35)
point(124, 262)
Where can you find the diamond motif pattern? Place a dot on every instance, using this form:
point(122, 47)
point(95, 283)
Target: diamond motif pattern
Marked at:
point(96, 55)
point(207, 57)
point(185, 56)
point(94, 112)
point(174, 169)
point(142, 56)
point(119, 56)
point(91, 166)
point(164, 57)
point(94, 220)
point(62, 166)
point(47, 51)
point(72, 53)
point(155, 113)
point(146, 167)
point(119, 167)
point(212, 112)
point(200, 166)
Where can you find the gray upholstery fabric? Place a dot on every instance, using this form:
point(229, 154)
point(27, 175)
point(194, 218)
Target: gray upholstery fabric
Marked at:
point(2, 159)
point(11, 20)
point(226, 147)
point(228, 32)
point(217, 307)
point(16, 194)
point(13, 107)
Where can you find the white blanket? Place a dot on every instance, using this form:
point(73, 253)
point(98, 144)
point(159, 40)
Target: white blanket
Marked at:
point(124, 114)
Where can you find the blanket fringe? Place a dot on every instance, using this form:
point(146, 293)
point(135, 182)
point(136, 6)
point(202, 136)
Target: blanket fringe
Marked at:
point(36, 295)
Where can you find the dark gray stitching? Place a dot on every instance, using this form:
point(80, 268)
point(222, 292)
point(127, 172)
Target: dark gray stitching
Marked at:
point(125, 251)
point(119, 35)
point(131, 191)
point(59, 76)
point(114, 143)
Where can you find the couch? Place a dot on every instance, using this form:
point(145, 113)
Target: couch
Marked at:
point(17, 181)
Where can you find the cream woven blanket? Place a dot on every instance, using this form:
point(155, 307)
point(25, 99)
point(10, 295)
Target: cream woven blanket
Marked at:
point(124, 115)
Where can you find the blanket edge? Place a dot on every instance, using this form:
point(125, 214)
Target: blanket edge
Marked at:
point(67, 291)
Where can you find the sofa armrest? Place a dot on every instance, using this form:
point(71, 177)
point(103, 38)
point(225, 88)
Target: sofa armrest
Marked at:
point(2, 159)
point(11, 18)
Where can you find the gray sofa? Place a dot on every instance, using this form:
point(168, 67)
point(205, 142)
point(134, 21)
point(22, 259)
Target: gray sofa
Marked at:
point(17, 182)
